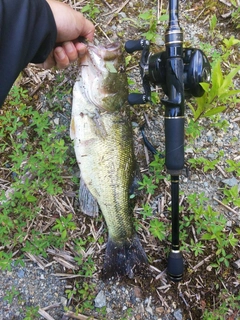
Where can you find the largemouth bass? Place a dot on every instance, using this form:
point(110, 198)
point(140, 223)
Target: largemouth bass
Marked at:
point(103, 144)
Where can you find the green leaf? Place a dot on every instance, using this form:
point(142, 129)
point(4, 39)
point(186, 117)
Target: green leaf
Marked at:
point(205, 86)
point(214, 111)
point(109, 65)
point(31, 198)
point(217, 80)
point(206, 236)
point(227, 82)
point(228, 94)
point(64, 234)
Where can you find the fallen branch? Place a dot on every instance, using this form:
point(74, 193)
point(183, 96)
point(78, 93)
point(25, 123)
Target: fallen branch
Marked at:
point(78, 316)
point(225, 206)
point(202, 262)
point(118, 10)
point(45, 315)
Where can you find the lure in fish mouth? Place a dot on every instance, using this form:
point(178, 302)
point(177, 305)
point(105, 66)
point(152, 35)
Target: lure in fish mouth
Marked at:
point(103, 142)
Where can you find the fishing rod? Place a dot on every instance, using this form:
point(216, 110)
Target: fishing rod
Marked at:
point(177, 70)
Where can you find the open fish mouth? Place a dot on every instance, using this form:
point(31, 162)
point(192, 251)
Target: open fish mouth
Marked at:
point(109, 51)
point(104, 55)
point(103, 75)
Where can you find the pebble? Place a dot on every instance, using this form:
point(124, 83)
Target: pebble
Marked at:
point(178, 314)
point(231, 182)
point(100, 300)
point(30, 286)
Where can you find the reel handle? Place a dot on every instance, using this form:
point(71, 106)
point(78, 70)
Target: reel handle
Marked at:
point(138, 98)
point(134, 45)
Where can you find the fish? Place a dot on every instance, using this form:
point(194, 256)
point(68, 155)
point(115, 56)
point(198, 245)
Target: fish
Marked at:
point(103, 142)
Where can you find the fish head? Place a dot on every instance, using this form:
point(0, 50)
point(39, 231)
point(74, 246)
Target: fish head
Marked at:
point(104, 77)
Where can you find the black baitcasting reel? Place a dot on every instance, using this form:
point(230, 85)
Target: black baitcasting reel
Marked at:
point(177, 70)
point(153, 70)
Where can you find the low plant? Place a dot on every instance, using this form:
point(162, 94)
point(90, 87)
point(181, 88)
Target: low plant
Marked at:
point(33, 153)
point(218, 95)
point(91, 9)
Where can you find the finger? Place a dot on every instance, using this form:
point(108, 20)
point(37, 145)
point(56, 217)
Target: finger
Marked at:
point(61, 57)
point(48, 63)
point(81, 48)
point(70, 50)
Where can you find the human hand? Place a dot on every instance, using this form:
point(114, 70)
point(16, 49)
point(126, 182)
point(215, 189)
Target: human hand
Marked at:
point(70, 26)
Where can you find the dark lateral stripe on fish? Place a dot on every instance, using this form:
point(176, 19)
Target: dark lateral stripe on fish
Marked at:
point(124, 259)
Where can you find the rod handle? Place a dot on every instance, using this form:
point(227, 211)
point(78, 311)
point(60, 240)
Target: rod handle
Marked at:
point(175, 266)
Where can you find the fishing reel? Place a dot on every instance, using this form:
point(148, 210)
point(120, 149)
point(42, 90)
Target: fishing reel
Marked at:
point(153, 70)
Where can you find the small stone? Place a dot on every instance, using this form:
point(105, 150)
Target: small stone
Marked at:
point(149, 310)
point(236, 264)
point(138, 292)
point(56, 121)
point(178, 314)
point(230, 182)
point(63, 301)
point(229, 224)
point(100, 300)
point(20, 273)
point(160, 310)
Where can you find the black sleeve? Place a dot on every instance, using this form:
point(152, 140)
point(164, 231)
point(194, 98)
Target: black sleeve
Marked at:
point(27, 34)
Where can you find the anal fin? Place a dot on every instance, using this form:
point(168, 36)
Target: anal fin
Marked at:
point(88, 204)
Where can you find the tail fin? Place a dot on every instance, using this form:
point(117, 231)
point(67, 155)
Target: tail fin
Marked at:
point(124, 258)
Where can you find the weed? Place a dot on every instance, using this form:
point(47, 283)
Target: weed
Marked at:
point(11, 294)
point(233, 166)
point(193, 129)
point(236, 16)
point(213, 23)
point(32, 313)
point(232, 196)
point(63, 225)
point(34, 156)
point(91, 9)
point(205, 163)
point(150, 20)
point(217, 96)
point(157, 229)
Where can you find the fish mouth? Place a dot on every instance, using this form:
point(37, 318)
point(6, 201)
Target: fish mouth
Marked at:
point(102, 54)
point(109, 51)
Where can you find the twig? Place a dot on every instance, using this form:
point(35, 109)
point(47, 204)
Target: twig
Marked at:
point(78, 316)
point(45, 315)
point(51, 306)
point(104, 33)
point(107, 4)
point(202, 262)
point(225, 206)
point(221, 170)
point(184, 300)
point(118, 10)
point(194, 234)
point(226, 3)
point(159, 10)
point(162, 300)
point(199, 14)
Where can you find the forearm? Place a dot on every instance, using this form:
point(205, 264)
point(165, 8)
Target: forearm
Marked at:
point(27, 34)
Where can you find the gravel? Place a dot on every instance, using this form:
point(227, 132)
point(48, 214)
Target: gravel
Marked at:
point(29, 286)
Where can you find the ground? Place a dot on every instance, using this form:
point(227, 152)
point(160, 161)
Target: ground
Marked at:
point(210, 286)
